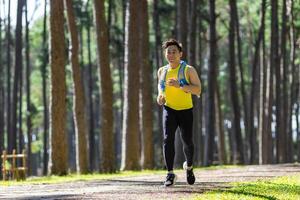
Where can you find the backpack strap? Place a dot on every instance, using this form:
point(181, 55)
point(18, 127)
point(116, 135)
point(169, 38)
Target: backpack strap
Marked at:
point(162, 78)
point(181, 74)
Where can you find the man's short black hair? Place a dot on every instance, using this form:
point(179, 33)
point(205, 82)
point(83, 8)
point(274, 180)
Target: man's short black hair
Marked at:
point(171, 42)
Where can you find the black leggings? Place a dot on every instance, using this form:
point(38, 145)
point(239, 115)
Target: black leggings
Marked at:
point(171, 120)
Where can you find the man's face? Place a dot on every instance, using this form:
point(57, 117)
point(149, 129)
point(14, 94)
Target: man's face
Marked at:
point(173, 54)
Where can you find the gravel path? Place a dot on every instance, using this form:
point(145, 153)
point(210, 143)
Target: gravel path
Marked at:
point(147, 187)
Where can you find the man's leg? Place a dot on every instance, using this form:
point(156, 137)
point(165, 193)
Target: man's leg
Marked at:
point(186, 127)
point(169, 128)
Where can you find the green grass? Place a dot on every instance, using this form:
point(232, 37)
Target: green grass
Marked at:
point(284, 188)
point(97, 176)
point(77, 177)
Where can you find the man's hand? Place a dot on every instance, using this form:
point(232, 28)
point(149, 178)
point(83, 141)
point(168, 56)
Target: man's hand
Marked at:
point(161, 99)
point(173, 82)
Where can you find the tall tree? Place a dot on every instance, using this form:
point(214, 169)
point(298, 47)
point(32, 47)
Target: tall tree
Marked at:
point(58, 135)
point(233, 86)
point(275, 64)
point(1, 96)
point(91, 118)
point(265, 137)
point(210, 119)
point(294, 89)
point(158, 55)
point(8, 83)
point(107, 146)
point(182, 36)
point(219, 128)
point(78, 97)
point(288, 146)
point(249, 131)
point(28, 86)
point(256, 79)
point(182, 25)
point(130, 137)
point(17, 74)
point(43, 69)
point(146, 88)
point(192, 31)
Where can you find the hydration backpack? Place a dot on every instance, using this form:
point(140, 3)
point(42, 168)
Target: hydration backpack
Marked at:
point(180, 76)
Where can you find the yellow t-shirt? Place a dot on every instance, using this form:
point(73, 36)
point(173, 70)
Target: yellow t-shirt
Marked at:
point(176, 98)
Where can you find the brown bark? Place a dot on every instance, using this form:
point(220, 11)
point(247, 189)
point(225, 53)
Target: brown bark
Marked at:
point(145, 89)
point(44, 92)
point(90, 100)
point(212, 72)
point(107, 145)
point(275, 65)
point(28, 86)
point(58, 136)
point(78, 98)
point(1, 98)
point(249, 130)
point(8, 84)
point(130, 138)
point(257, 77)
point(158, 63)
point(233, 87)
point(219, 129)
point(182, 35)
point(17, 75)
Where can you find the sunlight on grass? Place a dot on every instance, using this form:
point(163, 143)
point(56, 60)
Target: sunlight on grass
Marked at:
point(285, 188)
point(77, 177)
point(98, 176)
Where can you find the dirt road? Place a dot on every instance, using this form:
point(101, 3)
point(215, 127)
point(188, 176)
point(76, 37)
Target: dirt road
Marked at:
point(147, 187)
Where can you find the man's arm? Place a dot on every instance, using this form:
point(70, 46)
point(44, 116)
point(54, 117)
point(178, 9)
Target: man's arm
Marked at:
point(160, 97)
point(195, 85)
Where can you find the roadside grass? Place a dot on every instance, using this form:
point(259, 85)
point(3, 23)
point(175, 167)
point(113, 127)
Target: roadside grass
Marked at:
point(78, 177)
point(283, 188)
point(98, 176)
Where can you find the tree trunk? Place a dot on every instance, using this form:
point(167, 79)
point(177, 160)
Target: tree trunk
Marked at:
point(28, 97)
point(294, 87)
point(219, 129)
point(58, 135)
point(210, 122)
point(199, 139)
point(268, 99)
point(158, 63)
point(91, 118)
point(182, 26)
point(146, 101)
point(266, 145)
point(233, 88)
point(17, 74)
point(249, 131)
point(107, 145)
point(197, 132)
point(288, 146)
point(78, 98)
point(275, 64)
point(182, 35)
point(8, 83)
point(130, 138)
point(255, 87)
point(1, 98)
point(44, 92)
point(20, 111)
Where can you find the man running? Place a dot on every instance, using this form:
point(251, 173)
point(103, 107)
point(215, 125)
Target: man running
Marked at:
point(177, 82)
